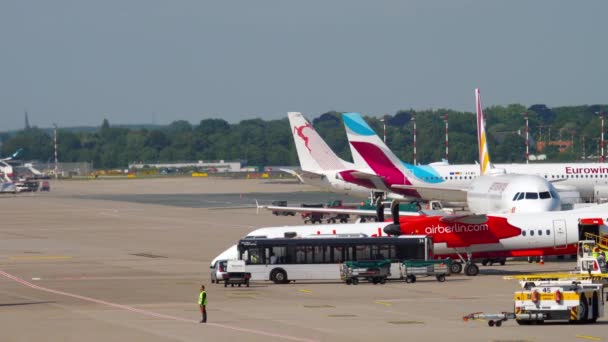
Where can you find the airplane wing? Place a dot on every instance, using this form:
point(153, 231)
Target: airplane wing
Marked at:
point(360, 212)
point(441, 193)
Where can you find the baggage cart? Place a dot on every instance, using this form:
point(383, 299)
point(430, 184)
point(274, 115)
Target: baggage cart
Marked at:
point(411, 269)
point(375, 271)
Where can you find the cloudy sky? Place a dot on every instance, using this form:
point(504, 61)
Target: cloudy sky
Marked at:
point(155, 61)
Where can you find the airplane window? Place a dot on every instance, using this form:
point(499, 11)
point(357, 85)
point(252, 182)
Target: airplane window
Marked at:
point(548, 232)
point(521, 196)
point(515, 197)
point(540, 232)
point(545, 195)
point(531, 195)
point(546, 176)
point(523, 233)
point(531, 233)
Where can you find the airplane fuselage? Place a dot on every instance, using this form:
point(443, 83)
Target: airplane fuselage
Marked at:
point(530, 234)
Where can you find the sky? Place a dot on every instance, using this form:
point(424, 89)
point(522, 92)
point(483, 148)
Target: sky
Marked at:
point(155, 61)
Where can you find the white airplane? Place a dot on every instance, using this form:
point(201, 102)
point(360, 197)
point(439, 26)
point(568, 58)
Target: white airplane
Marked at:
point(469, 237)
point(320, 166)
point(590, 180)
point(494, 191)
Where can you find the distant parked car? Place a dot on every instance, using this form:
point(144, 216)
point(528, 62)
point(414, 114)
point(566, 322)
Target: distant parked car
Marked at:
point(45, 186)
point(218, 270)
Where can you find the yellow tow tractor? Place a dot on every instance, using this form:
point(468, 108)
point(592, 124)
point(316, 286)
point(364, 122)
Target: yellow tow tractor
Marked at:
point(576, 297)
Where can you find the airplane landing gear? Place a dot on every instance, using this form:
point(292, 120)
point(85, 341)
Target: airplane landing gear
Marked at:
point(471, 269)
point(456, 267)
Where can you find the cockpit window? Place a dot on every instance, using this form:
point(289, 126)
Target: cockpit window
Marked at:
point(521, 196)
point(516, 195)
point(545, 195)
point(531, 195)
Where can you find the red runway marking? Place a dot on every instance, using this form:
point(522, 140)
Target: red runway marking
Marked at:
point(150, 313)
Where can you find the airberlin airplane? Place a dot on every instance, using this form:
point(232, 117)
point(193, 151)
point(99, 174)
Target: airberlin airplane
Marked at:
point(469, 237)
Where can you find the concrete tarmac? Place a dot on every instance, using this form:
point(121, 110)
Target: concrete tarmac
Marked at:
point(75, 267)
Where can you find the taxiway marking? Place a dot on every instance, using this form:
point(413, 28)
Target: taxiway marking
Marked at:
point(593, 338)
point(150, 313)
point(40, 257)
point(383, 303)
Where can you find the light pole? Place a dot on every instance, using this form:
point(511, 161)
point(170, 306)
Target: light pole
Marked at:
point(447, 159)
point(527, 139)
point(384, 127)
point(601, 114)
point(414, 120)
point(56, 171)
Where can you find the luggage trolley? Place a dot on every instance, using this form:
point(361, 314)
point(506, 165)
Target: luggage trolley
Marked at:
point(375, 271)
point(410, 269)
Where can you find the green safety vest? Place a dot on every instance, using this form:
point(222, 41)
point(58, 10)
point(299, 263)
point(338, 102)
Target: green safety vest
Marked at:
point(200, 298)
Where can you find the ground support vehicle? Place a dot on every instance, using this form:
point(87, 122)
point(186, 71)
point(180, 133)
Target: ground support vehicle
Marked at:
point(311, 217)
point(236, 274)
point(576, 298)
point(411, 269)
point(375, 271)
point(218, 270)
point(280, 212)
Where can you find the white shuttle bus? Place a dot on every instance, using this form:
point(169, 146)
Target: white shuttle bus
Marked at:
point(282, 260)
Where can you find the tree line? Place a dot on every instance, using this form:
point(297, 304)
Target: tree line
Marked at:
point(269, 142)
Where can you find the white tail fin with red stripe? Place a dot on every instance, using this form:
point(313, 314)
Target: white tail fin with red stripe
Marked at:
point(313, 152)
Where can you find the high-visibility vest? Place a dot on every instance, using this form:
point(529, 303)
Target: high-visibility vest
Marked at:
point(200, 298)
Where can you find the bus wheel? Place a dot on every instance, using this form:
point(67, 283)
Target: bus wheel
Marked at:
point(441, 278)
point(279, 276)
point(410, 279)
point(355, 281)
point(349, 281)
point(383, 280)
point(225, 284)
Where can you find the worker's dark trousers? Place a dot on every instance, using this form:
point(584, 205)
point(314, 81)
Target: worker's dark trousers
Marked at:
point(204, 312)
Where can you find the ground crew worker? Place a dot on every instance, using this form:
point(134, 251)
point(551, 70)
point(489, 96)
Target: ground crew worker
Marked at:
point(202, 302)
point(601, 260)
point(596, 252)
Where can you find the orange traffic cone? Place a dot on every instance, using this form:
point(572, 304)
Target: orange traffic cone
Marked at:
point(542, 260)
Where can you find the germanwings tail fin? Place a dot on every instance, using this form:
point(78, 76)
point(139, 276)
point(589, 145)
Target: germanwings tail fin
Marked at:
point(484, 155)
point(313, 152)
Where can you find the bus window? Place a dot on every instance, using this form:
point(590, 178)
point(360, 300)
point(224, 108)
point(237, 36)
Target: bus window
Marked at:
point(255, 256)
point(338, 254)
point(381, 252)
point(363, 253)
point(318, 252)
